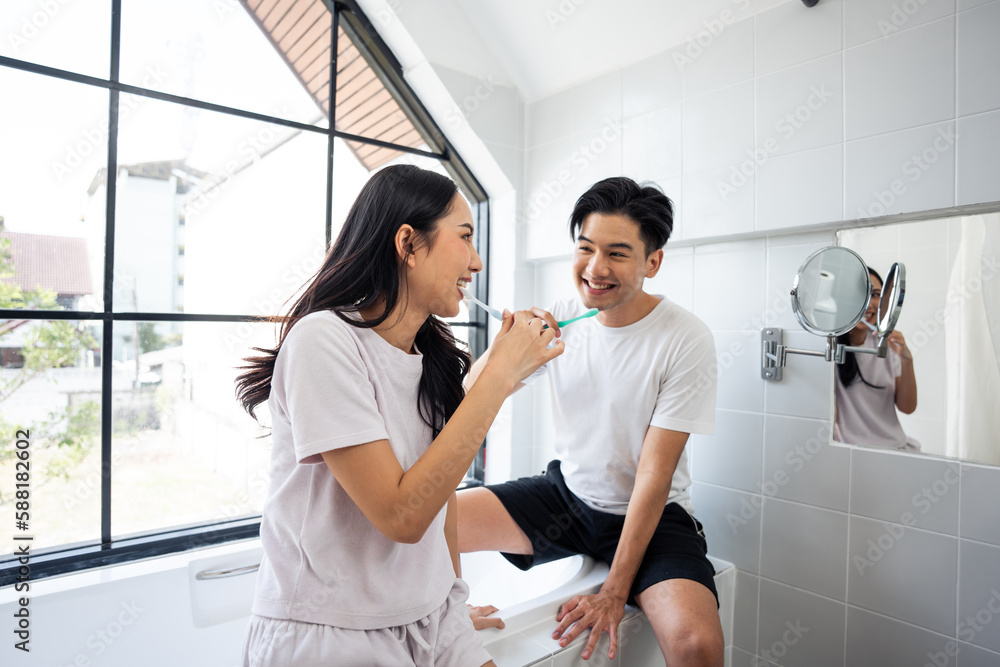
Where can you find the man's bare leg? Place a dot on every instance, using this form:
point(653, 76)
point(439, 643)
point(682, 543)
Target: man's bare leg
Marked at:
point(686, 623)
point(485, 525)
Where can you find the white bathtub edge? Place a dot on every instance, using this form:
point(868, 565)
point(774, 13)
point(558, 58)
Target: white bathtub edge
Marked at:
point(523, 619)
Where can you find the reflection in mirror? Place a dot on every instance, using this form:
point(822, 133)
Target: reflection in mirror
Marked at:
point(830, 292)
point(870, 389)
point(948, 337)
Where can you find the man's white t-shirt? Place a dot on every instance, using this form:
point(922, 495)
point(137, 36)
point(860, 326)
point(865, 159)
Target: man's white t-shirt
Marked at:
point(336, 385)
point(612, 383)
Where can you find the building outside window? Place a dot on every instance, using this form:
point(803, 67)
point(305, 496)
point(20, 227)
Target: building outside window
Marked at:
point(174, 180)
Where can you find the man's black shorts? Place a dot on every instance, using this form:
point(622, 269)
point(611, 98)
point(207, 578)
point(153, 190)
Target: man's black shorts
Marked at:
point(559, 524)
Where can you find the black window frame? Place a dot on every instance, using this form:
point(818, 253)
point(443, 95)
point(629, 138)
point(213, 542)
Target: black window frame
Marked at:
point(108, 551)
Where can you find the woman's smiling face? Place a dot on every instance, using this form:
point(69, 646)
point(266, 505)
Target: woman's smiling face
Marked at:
point(446, 263)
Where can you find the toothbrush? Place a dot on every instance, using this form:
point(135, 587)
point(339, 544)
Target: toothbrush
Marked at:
point(589, 313)
point(489, 309)
point(498, 315)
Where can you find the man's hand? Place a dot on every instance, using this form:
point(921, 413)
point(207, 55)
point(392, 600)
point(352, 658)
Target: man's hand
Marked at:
point(600, 612)
point(480, 617)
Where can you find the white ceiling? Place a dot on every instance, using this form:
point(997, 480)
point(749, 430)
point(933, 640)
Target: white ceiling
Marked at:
point(543, 46)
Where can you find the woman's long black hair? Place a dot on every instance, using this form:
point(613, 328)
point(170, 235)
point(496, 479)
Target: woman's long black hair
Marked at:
point(361, 270)
point(849, 371)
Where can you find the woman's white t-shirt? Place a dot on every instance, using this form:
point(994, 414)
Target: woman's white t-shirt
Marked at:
point(336, 385)
point(867, 415)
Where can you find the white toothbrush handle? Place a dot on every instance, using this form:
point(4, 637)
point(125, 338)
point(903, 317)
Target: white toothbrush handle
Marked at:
point(492, 311)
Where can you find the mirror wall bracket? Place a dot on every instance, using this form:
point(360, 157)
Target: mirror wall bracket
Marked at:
point(879, 351)
point(774, 353)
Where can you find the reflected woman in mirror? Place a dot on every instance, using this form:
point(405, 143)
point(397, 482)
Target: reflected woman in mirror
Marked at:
point(869, 390)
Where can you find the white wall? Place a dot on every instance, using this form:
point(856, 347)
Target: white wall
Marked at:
point(780, 129)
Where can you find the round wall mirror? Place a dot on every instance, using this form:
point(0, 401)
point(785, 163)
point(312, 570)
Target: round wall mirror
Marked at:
point(891, 300)
point(831, 290)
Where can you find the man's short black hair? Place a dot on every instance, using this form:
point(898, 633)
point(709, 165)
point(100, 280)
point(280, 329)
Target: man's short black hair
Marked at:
point(644, 204)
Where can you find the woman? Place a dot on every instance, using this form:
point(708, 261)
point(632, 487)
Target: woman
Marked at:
point(869, 390)
point(372, 432)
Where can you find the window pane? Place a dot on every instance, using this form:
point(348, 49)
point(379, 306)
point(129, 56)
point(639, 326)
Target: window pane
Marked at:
point(74, 36)
point(55, 239)
point(184, 451)
point(50, 386)
point(244, 199)
point(366, 105)
point(214, 51)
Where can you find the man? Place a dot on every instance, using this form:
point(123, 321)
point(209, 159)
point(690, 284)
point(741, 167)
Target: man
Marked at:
point(633, 383)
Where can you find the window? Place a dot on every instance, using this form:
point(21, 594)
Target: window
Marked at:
point(150, 235)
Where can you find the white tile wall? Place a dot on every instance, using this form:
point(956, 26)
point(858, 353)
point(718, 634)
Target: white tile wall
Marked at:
point(718, 128)
point(978, 60)
point(731, 520)
point(743, 659)
point(718, 202)
point(732, 456)
point(738, 360)
point(974, 656)
point(889, 573)
point(815, 564)
point(550, 118)
point(978, 491)
point(675, 279)
point(729, 284)
point(596, 101)
point(597, 154)
point(651, 84)
point(801, 465)
point(910, 170)
point(801, 107)
point(787, 35)
point(979, 594)
point(978, 146)
point(801, 189)
point(651, 145)
point(875, 639)
point(902, 81)
point(728, 59)
point(969, 4)
point(889, 486)
point(867, 20)
point(800, 628)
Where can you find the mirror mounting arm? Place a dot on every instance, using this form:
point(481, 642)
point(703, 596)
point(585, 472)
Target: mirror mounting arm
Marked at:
point(880, 351)
point(774, 353)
